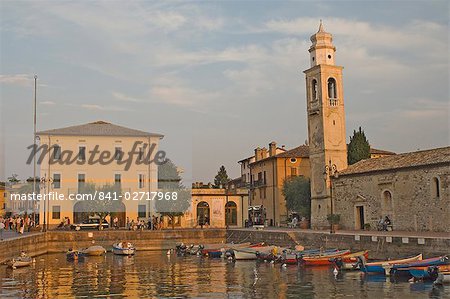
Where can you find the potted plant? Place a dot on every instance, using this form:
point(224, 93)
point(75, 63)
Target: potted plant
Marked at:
point(366, 226)
point(334, 220)
point(304, 223)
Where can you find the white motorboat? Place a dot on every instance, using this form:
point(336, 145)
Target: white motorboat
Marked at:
point(94, 250)
point(123, 248)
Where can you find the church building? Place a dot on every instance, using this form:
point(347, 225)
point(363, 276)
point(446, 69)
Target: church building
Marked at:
point(412, 189)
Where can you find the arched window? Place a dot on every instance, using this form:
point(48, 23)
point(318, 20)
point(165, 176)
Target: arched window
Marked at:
point(203, 217)
point(231, 213)
point(332, 92)
point(387, 205)
point(314, 91)
point(435, 187)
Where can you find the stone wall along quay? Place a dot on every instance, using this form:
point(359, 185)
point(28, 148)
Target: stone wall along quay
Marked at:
point(61, 241)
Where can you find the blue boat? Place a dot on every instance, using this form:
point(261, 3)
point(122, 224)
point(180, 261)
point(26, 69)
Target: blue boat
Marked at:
point(381, 267)
point(404, 269)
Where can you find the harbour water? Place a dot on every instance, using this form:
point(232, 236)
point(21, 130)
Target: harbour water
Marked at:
point(154, 274)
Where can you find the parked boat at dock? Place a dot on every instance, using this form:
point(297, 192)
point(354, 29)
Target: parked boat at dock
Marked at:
point(94, 250)
point(74, 255)
point(322, 259)
point(384, 267)
point(123, 248)
point(21, 261)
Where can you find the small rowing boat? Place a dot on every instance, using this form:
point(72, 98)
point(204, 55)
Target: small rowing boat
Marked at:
point(322, 259)
point(384, 267)
point(94, 250)
point(74, 255)
point(349, 261)
point(21, 261)
point(250, 253)
point(404, 269)
point(123, 248)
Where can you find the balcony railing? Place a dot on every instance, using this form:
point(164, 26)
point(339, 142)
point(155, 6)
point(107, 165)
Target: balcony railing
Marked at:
point(333, 102)
point(258, 183)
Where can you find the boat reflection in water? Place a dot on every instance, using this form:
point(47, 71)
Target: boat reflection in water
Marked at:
point(154, 274)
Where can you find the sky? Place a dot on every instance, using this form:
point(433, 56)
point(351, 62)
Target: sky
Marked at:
point(219, 79)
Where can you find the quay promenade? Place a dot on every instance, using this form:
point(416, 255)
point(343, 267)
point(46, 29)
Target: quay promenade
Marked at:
point(381, 244)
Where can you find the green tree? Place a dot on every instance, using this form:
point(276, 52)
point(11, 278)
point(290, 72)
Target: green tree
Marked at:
point(221, 179)
point(358, 148)
point(297, 193)
point(107, 200)
point(170, 181)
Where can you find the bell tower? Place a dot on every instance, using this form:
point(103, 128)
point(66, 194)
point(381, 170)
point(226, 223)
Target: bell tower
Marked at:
point(326, 123)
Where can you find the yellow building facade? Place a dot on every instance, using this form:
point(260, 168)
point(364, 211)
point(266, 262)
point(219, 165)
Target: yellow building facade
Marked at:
point(268, 170)
point(98, 153)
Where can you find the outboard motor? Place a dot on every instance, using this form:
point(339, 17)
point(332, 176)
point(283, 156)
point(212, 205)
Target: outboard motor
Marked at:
point(338, 263)
point(434, 272)
point(229, 254)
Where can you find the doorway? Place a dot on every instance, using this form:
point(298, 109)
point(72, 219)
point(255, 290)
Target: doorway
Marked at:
point(359, 217)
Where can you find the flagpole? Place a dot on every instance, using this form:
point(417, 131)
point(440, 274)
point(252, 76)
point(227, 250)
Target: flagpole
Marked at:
point(34, 143)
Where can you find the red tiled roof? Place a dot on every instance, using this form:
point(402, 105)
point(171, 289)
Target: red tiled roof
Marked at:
point(413, 159)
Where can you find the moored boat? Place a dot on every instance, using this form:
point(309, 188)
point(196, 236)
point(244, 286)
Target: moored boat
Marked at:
point(74, 255)
point(250, 253)
point(94, 250)
point(322, 259)
point(123, 248)
point(349, 261)
point(404, 268)
point(384, 267)
point(21, 261)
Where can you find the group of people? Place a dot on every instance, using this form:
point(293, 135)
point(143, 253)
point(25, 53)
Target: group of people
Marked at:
point(153, 223)
point(17, 223)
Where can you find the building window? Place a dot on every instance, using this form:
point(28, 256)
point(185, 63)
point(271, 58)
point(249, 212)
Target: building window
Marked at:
point(56, 181)
point(436, 188)
point(118, 153)
point(141, 181)
point(81, 181)
point(82, 153)
point(142, 211)
point(117, 179)
point(332, 92)
point(264, 179)
point(56, 152)
point(56, 212)
point(314, 93)
point(293, 171)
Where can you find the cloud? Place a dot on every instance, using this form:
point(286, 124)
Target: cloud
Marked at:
point(123, 97)
point(18, 79)
point(95, 107)
point(48, 103)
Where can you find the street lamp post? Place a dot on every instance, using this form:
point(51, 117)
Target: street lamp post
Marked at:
point(330, 172)
point(43, 186)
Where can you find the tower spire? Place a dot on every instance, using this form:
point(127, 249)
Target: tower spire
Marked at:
point(321, 27)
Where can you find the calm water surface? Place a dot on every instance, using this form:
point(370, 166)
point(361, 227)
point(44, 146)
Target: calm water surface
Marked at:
point(153, 274)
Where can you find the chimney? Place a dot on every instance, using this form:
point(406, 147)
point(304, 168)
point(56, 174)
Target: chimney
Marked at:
point(263, 153)
point(283, 147)
point(272, 149)
point(257, 154)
